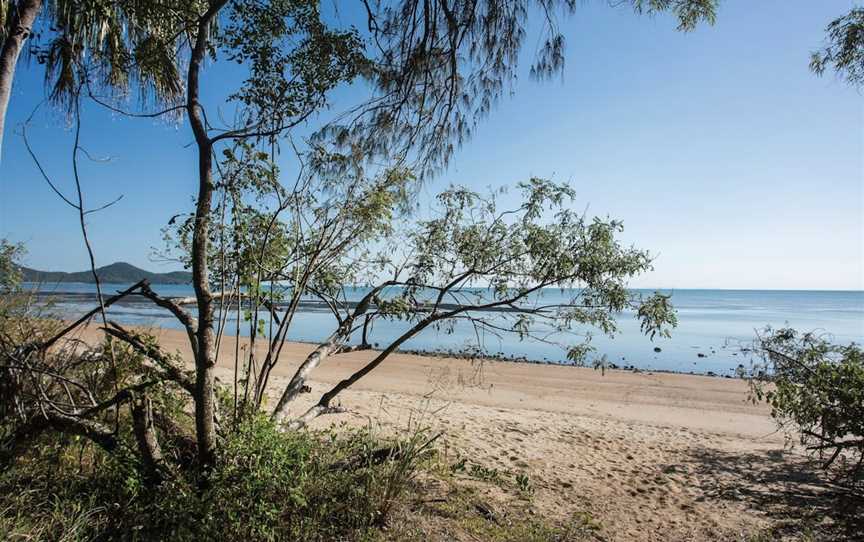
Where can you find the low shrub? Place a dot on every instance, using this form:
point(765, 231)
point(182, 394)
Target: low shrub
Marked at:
point(269, 485)
point(816, 390)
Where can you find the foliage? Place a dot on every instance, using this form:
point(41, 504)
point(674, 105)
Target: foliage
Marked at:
point(269, 486)
point(20, 319)
point(324, 235)
point(293, 58)
point(10, 273)
point(518, 251)
point(845, 50)
point(116, 47)
point(816, 388)
point(437, 68)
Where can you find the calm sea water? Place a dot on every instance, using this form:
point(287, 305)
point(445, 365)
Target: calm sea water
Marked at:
point(714, 323)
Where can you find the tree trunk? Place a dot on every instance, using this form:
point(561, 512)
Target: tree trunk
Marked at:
point(205, 357)
point(205, 408)
point(145, 435)
point(295, 386)
point(23, 16)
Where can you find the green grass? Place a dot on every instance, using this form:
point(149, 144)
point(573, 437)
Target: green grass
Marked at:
point(269, 485)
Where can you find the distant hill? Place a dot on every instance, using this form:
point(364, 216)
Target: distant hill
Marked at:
point(119, 273)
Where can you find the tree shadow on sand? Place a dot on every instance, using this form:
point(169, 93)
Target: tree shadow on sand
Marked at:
point(789, 490)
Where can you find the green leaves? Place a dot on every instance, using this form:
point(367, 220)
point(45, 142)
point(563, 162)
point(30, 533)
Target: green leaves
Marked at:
point(657, 316)
point(845, 50)
point(439, 69)
point(689, 13)
point(817, 388)
point(519, 253)
point(292, 58)
point(10, 273)
point(115, 46)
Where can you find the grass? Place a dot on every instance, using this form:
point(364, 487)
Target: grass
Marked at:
point(271, 485)
point(461, 512)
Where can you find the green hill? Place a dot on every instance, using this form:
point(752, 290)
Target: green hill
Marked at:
point(119, 273)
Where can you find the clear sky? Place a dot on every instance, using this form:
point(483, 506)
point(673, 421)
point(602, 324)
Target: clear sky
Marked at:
point(718, 149)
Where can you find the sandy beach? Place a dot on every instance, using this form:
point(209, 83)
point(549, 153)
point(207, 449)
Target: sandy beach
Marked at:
point(650, 456)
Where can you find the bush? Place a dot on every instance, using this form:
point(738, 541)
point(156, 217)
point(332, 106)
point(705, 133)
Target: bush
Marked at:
point(269, 485)
point(815, 388)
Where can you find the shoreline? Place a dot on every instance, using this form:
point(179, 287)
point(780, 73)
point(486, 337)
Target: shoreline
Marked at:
point(528, 361)
point(497, 357)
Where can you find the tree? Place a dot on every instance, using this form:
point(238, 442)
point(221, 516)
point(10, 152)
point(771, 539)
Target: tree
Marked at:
point(10, 272)
point(516, 252)
point(106, 45)
point(435, 68)
point(815, 389)
point(420, 82)
point(845, 50)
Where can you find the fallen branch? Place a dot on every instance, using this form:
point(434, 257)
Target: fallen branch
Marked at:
point(44, 345)
point(169, 369)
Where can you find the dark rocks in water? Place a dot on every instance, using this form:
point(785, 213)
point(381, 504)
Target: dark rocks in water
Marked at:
point(658, 349)
point(701, 355)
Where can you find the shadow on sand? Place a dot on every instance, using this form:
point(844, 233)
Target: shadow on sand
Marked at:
point(787, 489)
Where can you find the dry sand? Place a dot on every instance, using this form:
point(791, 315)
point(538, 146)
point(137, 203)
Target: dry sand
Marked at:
point(650, 456)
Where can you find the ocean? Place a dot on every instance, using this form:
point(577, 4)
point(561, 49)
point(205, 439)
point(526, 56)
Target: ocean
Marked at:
point(714, 326)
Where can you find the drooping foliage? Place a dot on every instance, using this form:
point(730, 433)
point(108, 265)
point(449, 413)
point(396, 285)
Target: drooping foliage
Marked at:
point(114, 48)
point(439, 66)
point(845, 50)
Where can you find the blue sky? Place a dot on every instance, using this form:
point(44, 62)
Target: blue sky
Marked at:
point(718, 149)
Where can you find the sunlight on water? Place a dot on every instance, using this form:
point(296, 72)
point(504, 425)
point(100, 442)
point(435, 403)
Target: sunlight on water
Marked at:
point(713, 323)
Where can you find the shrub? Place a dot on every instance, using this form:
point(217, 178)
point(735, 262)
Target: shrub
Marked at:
point(815, 388)
point(269, 485)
